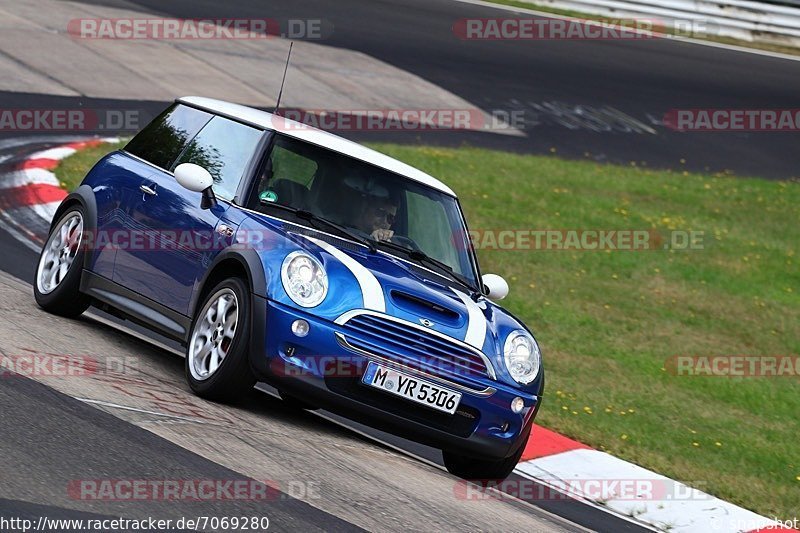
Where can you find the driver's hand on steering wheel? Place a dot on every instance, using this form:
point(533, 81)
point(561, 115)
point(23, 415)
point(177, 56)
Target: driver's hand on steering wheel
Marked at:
point(382, 234)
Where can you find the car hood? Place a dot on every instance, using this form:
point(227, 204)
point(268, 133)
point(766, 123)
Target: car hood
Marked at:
point(383, 283)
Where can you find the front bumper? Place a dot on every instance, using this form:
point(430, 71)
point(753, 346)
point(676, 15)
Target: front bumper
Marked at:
point(324, 370)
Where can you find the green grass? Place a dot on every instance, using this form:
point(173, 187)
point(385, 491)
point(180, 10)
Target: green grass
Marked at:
point(71, 170)
point(767, 46)
point(608, 321)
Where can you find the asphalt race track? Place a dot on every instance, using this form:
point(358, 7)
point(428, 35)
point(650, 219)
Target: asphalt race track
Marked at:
point(545, 80)
point(110, 444)
point(91, 439)
point(643, 79)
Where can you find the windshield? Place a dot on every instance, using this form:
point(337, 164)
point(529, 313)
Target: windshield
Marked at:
point(371, 202)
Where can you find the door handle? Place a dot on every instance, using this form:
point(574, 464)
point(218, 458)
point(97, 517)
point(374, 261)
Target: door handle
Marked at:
point(147, 190)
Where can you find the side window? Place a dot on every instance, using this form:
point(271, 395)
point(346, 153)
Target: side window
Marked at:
point(288, 165)
point(288, 175)
point(162, 141)
point(223, 147)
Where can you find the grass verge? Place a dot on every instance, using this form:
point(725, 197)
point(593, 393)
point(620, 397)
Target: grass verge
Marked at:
point(608, 322)
point(72, 169)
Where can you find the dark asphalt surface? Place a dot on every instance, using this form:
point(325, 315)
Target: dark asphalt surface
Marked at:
point(89, 440)
point(49, 440)
point(643, 79)
point(546, 80)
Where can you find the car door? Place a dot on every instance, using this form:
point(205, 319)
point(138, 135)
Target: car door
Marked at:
point(117, 185)
point(179, 238)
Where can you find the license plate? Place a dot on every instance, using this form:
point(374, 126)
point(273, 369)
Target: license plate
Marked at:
point(411, 388)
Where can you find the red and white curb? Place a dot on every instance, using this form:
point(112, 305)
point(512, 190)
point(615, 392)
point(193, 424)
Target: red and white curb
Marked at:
point(30, 194)
point(628, 490)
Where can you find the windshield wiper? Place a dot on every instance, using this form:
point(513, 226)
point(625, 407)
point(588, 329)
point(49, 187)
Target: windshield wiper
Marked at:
point(311, 217)
point(422, 257)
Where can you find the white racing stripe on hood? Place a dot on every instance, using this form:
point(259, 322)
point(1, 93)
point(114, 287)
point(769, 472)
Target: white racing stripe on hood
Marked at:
point(476, 322)
point(371, 290)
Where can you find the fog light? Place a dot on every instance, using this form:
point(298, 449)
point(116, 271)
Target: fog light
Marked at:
point(300, 328)
point(517, 404)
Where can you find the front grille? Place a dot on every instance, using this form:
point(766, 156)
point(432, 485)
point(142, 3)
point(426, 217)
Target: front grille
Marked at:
point(414, 347)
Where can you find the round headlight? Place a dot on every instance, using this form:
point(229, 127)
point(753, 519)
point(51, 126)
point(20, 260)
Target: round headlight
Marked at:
point(522, 356)
point(304, 279)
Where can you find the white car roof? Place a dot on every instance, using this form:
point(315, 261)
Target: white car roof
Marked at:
point(314, 136)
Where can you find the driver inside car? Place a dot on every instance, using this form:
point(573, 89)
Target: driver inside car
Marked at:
point(376, 210)
point(377, 218)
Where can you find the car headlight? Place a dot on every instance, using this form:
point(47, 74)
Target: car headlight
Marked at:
point(522, 356)
point(304, 279)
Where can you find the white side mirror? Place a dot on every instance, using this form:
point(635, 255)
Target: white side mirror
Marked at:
point(496, 286)
point(193, 177)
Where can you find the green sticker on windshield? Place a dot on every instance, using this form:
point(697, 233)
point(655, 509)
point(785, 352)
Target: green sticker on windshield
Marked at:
point(268, 196)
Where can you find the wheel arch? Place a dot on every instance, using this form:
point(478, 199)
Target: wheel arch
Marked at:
point(83, 196)
point(243, 263)
point(246, 264)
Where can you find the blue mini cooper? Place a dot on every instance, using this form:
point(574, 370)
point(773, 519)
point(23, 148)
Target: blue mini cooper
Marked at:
point(278, 252)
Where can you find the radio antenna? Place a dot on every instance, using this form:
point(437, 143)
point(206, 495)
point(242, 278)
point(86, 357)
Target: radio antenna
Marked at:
point(285, 69)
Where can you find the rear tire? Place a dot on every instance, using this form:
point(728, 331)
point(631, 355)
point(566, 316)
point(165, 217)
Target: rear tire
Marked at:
point(58, 273)
point(217, 357)
point(473, 469)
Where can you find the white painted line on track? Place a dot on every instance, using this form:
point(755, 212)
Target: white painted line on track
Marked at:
point(13, 229)
point(54, 153)
point(590, 503)
point(145, 411)
point(665, 504)
point(29, 176)
point(46, 211)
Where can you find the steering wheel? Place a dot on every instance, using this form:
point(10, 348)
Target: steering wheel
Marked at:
point(405, 241)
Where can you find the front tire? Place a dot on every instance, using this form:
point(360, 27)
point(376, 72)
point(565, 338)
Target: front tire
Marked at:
point(473, 469)
point(217, 358)
point(58, 273)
